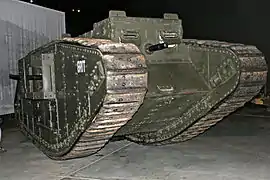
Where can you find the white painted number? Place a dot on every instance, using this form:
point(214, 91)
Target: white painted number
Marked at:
point(81, 66)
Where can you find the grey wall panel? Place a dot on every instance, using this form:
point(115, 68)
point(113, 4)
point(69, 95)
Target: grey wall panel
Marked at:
point(23, 27)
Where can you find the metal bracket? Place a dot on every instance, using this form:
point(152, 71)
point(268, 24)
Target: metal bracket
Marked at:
point(165, 88)
point(48, 78)
point(170, 36)
point(48, 75)
point(114, 13)
point(172, 16)
point(131, 36)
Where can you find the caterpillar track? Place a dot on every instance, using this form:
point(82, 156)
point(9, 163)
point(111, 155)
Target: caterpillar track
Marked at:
point(253, 74)
point(121, 101)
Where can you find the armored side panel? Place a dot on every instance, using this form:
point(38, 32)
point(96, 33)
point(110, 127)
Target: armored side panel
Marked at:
point(236, 80)
point(187, 79)
point(23, 27)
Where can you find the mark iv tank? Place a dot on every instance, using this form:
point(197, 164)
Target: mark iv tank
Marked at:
point(135, 78)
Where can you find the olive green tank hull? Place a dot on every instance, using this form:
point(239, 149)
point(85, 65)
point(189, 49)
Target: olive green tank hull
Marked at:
point(251, 78)
point(135, 78)
point(125, 93)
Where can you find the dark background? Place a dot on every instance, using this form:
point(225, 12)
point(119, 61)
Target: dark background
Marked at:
point(243, 21)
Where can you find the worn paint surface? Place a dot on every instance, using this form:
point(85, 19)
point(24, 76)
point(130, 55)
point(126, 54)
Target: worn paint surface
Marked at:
point(75, 94)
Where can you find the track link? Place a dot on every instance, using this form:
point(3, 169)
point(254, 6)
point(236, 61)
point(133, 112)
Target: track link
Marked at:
point(126, 82)
point(252, 78)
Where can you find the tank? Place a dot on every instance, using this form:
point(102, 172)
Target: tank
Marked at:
point(133, 78)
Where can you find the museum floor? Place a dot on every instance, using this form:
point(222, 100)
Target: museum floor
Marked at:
point(238, 148)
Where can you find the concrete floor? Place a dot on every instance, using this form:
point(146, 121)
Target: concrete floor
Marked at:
point(236, 149)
